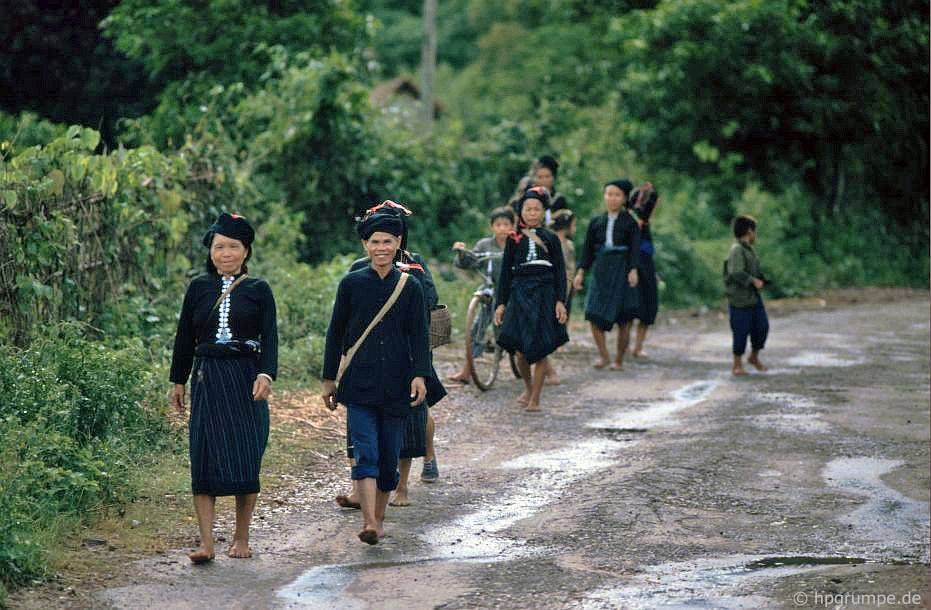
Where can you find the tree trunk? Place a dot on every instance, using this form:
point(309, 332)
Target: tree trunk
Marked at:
point(428, 60)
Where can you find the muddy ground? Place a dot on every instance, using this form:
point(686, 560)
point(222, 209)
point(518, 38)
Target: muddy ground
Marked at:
point(668, 483)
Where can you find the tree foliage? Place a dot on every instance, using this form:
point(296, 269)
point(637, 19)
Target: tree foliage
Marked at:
point(55, 62)
point(196, 46)
point(830, 94)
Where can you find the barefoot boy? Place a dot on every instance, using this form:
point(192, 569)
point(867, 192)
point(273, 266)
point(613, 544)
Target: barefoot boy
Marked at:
point(742, 283)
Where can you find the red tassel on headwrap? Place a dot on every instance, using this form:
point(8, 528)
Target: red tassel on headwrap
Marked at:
point(387, 203)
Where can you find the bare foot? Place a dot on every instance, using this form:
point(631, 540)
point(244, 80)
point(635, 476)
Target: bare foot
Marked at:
point(239, 550)
point(201, 556)
point(524, 398)
point(599, 364)
point(640, 354)
point(349, 501)
point(757, 364)
point(400, 498)
point(617, 366)
point(738, 371)
point(368, 536)
point(532, 408)
point(459, 378)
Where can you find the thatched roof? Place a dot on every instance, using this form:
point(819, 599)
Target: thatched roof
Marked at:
point(402, 86)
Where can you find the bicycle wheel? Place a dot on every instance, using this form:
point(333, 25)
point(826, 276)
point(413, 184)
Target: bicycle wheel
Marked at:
point(482, 351)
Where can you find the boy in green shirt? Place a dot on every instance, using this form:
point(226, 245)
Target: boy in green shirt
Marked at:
point(742, 283)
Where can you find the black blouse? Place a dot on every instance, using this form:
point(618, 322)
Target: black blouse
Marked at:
point(397, 349)
point(626, 233)
point(252, 316)
point(424, 277)
point(643, 208)
point(515, 253)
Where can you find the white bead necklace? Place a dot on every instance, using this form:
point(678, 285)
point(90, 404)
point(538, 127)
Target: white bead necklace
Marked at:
point(532, 248)
point(224, 334)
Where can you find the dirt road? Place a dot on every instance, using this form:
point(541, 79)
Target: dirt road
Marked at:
point(670, 482)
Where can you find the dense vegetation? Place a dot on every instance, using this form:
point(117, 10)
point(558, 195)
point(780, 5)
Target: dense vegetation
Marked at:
point(813, 116)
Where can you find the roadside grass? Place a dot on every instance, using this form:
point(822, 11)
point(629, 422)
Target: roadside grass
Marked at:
point(90, 553)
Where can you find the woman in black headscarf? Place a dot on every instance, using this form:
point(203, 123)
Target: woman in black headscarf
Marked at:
point(530, 295)
point(421, 426)
point(227, 334)
point(612, 251)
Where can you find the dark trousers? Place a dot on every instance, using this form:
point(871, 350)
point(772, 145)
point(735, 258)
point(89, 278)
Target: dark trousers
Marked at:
point(749, 321)
point(376, 444)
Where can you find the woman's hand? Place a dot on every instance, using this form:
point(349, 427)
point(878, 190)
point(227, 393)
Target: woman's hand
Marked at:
point(177, 397)
point(459, 245)
point(578, 282)
point(328, 394)
point(633, 278)
point(499, 315)
point(261, 388)
point(418, 391)
point(758, 283)
point(561, 314)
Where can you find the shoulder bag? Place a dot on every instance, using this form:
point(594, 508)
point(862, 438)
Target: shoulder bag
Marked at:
point(347, 358)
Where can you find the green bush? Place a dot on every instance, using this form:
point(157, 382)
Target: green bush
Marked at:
point(76, 418)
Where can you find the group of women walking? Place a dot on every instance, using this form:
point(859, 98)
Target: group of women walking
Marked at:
point(378, 359)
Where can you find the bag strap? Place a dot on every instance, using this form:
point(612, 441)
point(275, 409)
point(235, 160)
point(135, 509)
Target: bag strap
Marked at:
point(219, 300)
point(378, 317)
point(536, 239)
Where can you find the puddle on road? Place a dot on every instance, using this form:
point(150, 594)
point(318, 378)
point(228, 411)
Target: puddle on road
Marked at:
point(888, 524)
point(791, 422)
point(658, 414)
point(719, 582)
point(540, 479)
point(323, 587)
point(821, 359)
point(787, 400)
point(473, 535)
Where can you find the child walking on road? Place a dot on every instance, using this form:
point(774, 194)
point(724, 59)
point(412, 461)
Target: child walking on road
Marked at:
point(742, 284)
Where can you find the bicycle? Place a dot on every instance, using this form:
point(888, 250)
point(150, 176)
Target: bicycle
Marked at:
point(483, 354)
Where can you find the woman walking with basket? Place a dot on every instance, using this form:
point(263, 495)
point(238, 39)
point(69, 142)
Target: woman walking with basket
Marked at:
point(380, 331)
point(421, 426)
point(227, 334)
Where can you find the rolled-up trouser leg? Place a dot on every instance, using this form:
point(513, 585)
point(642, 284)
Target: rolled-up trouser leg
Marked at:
point(390, 436)
point(741, 318)
point(759, 327)
point(363, 430)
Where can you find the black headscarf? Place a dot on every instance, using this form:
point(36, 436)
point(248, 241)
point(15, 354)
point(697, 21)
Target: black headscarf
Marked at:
point(233, 226)
point(550, 163)
point(561, 219)
point(534, 192)
point(384, 221)
point(390, 207)
point(624, 184)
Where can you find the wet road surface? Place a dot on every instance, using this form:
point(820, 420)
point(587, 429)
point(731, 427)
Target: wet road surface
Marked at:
point(667, 484)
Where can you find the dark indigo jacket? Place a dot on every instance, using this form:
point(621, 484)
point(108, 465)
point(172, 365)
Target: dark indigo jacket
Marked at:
point(396, 351)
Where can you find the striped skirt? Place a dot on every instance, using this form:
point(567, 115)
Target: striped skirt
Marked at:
point(611, 300)
point(530, 326)
point(228, 430)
